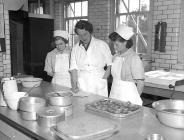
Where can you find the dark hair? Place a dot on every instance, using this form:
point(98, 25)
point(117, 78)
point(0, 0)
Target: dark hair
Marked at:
point(59, 37)
point(116, 37)
point(83, 24)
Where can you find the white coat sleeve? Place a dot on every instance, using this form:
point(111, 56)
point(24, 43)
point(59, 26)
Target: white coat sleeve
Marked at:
point(73, 61)
point(107, 54)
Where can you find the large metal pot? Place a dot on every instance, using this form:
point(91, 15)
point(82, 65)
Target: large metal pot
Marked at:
point(67, 109)
point(60, 98)
point(50, 116)
point(170, 112)
point(28, 116)
point(31, 104)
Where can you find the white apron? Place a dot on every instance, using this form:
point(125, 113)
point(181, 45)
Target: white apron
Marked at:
point(62, 75)
point(123, 90)
point(91, 81)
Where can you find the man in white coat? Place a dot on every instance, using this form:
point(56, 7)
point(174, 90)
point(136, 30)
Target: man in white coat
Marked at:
point(88, 59)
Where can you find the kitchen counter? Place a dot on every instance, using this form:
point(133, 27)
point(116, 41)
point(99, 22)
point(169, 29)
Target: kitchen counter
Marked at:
point(137, 126)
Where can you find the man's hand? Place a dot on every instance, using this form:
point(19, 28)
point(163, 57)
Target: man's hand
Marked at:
point(75, 90)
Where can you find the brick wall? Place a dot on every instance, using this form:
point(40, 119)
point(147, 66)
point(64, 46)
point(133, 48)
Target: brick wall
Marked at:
point(5, 63)
point(167, 11)
point(58, 15)
point(99, 16)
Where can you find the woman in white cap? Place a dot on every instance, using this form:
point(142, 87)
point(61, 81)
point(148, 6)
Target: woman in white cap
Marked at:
point(57, 60)
point(127, 68)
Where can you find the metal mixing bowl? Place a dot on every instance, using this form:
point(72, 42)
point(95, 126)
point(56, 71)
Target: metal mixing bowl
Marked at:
point(170, 112)
point(31, 82)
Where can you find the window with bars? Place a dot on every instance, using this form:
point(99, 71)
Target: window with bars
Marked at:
point(135, 13)
point(75, 10)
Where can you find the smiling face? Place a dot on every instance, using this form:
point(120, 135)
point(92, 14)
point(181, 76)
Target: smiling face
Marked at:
point(84, 35)
point(120, 47)
point(60, 44)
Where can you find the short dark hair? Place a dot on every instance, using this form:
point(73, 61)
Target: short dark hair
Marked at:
point(83, 24)
point(116, 37)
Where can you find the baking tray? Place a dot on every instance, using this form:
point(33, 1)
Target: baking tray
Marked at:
point(85, 128)
point(96, 137)
point(109, 108)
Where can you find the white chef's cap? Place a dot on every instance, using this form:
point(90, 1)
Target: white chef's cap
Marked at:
point(125, 32)
point(61, 33)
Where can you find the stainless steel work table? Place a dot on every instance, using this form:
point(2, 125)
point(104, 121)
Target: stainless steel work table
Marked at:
point(163, 90)
point(135, 127)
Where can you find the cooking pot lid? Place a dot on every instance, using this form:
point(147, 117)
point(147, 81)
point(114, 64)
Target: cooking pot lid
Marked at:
point(60, 93)
point(32, 100)
point(50, 112)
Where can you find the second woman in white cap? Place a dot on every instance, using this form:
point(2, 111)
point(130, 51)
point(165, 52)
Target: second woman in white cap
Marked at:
point(57, 60)
point(127, 68)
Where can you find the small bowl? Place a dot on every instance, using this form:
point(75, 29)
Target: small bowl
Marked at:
point(155, 137)
point(31, 82)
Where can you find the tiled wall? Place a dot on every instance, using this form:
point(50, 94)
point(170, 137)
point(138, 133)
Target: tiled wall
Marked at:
point(5, 64)
point(168, 11)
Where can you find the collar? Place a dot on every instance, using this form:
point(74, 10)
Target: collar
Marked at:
point(83, 44)
point(128, 52)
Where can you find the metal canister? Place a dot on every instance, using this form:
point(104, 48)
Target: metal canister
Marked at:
point(67, 109)
point(28, 116)
point(50, 116)
point(60, 98)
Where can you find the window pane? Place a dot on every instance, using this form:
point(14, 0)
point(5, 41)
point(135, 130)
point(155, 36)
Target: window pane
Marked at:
point(130, 21)
point(122, 19)
point(143, 24)
point(70, 10)
point(78, 9)
point(121, 7)
point(134, 5)
point(85, 8)
point(141, 47)
point(75, 11)
point(145, 5)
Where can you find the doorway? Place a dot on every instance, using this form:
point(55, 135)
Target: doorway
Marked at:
point(18, 36)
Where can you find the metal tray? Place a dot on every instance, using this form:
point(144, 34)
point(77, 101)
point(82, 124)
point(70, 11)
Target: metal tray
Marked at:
point(93, 108)
point(96, 137)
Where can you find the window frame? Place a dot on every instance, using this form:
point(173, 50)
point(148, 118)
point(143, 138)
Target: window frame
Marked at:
point(67, 19)
point(137, 13)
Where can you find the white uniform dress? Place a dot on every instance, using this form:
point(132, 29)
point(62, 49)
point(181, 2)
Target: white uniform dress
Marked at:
point(125, 90)
point(90, 66)
point(62, 75)
point(58, 63)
